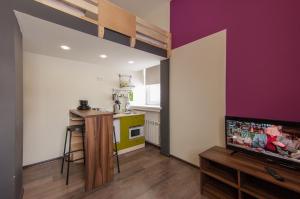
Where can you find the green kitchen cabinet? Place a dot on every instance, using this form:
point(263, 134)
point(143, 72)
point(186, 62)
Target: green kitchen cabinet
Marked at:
point(125, 124)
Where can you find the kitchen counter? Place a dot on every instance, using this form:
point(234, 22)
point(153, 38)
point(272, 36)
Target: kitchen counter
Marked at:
point(119, 115)
point(98, 139)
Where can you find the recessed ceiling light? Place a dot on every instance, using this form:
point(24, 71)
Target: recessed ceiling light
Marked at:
point(64, 47)
point(131, 62)
point(103, 56)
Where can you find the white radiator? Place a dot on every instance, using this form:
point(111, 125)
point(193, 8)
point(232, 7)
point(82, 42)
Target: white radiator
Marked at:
point(152, 129)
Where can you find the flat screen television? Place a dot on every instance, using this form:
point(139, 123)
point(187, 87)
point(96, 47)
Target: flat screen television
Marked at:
point(276, 141)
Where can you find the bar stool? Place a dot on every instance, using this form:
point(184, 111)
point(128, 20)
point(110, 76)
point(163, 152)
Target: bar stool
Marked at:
point(116, 150)
point(67, 155)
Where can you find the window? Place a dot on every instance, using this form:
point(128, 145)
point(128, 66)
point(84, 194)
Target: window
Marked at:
point(153, 94)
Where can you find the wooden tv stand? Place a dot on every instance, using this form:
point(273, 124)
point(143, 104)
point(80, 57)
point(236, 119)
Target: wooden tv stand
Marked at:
point(242, 176)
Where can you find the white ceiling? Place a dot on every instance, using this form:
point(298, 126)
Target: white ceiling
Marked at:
point(43, 37)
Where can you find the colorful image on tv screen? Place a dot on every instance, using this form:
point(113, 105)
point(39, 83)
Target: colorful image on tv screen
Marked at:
point(274, 140)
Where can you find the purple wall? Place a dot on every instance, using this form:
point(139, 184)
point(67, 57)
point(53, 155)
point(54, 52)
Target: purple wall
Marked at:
point(263, 51)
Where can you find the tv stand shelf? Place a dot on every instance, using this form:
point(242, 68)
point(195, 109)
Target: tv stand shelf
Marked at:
point(242, 176)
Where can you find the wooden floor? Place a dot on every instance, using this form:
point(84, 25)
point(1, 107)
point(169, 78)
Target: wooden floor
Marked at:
point(144, 174)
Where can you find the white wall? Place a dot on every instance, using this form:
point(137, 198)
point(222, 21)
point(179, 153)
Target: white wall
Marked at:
point(152, 75)
point(52, 86)
point(197, 97)
point(139, 89)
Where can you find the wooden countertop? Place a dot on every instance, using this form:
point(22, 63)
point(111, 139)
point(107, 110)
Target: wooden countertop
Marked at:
point(88, 113)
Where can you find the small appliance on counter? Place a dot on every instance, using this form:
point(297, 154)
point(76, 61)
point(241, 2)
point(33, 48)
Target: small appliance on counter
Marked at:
point(117, 107)
point(83, 105)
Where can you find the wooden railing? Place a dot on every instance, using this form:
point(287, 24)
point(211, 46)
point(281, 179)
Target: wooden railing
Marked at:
point(108, 15)
point(153, 35)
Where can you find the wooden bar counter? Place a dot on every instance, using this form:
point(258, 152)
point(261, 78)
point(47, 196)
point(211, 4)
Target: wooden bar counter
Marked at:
point(99, 167)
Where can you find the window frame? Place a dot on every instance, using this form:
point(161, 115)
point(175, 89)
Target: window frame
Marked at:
point(148, 96)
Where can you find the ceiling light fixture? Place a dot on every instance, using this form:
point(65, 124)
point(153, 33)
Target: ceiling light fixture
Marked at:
point(64, 47)
point(103, 56)
point(131, 62)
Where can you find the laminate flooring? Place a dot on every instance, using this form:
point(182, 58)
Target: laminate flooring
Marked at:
point(145, 174)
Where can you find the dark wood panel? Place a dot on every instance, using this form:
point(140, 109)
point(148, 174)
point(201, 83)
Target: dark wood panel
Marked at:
point(115, 36)
point(99, 150)
point(149, 48)
point(47, 13)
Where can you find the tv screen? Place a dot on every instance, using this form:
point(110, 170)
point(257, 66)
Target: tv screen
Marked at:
point(275, 140)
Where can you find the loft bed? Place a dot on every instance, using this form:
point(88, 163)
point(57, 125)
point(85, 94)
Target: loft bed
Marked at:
point(108, 16)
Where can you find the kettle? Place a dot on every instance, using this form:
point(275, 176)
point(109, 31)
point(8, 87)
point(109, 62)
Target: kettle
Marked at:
point(117, 107)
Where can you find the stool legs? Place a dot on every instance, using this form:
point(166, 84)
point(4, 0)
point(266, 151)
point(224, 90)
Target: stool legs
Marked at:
point(82, 134)
point(63, 157)
point(69, 157)
point(116, 148)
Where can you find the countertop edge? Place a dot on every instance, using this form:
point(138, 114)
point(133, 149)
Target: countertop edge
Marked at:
point(117, 116)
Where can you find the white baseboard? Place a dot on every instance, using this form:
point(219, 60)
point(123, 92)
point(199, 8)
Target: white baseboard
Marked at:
point(131, 149)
